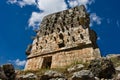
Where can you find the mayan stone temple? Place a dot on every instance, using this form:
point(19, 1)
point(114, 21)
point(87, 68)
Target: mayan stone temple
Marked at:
point(63, 38)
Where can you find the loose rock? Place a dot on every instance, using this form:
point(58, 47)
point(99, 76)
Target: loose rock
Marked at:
point(30, 75)
point(83, 75)
point(75, 68)
point(118, 77)
point(117, 68)
point(52, 75)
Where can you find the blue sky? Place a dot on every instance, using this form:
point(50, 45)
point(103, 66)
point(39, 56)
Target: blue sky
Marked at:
point(19, 18)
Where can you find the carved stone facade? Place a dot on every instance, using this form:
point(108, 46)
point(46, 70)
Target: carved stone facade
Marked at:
point(63, 38)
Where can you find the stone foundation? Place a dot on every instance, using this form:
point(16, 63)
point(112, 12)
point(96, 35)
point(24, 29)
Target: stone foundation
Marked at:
point(63, 58)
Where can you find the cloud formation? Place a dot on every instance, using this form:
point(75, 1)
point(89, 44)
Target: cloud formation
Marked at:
point(22, 3)
point(12, 1)
point(95, 19)
point(48, 7)
point(51, 6)
point(18, 62)
point(73, 3)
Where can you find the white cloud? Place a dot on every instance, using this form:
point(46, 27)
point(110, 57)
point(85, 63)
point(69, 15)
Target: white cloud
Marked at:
point(51, 6)
point(26, 2)
point(18, 62)
point(48, 7)
point(98, 38)
point(22, 2)
point(73, 3)
point(12, 1)
point(95, 19)
point(35, 19)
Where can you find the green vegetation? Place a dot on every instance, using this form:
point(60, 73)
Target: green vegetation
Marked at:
point(115, 60)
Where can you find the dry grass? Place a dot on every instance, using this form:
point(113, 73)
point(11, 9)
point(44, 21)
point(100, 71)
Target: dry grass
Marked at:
point(61, 70)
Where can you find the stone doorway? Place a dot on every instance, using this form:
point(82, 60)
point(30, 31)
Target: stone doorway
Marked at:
point(47, 61)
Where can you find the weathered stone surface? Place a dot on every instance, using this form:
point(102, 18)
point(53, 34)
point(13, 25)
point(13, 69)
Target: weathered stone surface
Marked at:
point(58, 79)
point(62, 58)
point(102, 68)
point(117, 68)
point(118, 77)
point(83, 75)
point(75, 68)
point(52, 75)
point(28, 50)
point(96, 78)
point(63, 38)
point(29, 76)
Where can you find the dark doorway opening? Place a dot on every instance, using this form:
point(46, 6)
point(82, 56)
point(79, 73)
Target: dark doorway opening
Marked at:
point(47, 62)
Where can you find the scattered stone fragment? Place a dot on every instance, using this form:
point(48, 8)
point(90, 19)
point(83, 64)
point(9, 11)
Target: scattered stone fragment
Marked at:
point(75, 68)
point(83, 75)
point(52, 75)
point(29, 76)
point(96, 78)
point(117, 68)
point(118, 77)
point(58, 79)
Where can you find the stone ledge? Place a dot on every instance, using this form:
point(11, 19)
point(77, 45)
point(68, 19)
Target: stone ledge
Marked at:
point(68, 49)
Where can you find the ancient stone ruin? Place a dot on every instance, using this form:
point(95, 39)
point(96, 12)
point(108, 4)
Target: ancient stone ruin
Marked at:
point(63, 38)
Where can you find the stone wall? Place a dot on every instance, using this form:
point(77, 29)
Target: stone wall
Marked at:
point(64, 58)
point(65, 36)
point(72, 56)
point(33, 63)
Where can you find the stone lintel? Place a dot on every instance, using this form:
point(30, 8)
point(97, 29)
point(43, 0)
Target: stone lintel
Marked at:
point(68, 49)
